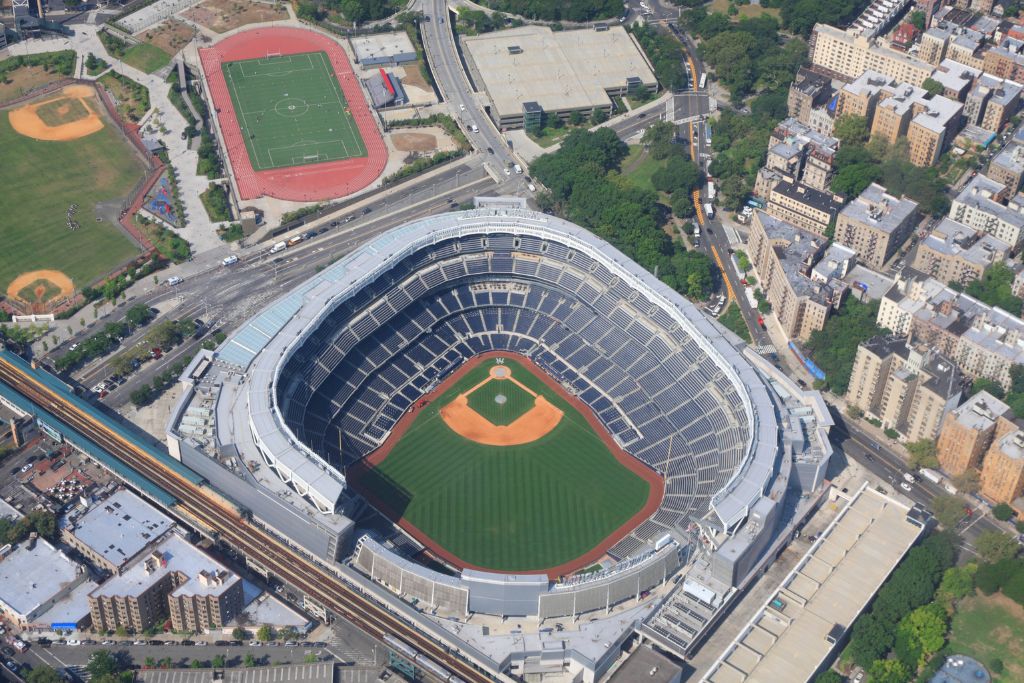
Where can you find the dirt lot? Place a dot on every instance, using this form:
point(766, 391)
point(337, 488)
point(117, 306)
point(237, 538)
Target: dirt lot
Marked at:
point(224, 15)
point(432, 139)
point(24, 79)
point(170, 36)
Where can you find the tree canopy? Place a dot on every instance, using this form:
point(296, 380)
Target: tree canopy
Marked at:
point(993, 287)
point(834, 347)
point(559, 10)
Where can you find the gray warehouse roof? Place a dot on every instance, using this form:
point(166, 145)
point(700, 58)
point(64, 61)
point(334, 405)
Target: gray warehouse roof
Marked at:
point(119, 527)
point(30, 577)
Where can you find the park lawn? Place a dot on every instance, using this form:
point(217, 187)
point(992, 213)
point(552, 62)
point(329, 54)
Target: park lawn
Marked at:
point(47, 177)
point(512, 508)
point(639, 166)
point(733, 320)
point(130, 97)
point(550, 136)
point(744, 10)
point(989, 627)
point(146, 57)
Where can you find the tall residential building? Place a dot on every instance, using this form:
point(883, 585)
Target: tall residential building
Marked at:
point(985, 204)
point(932, 47)
point(875, 225)
point(808, 91)
point(968, 431)
point(797, 152)
point(848, 54)
point(1003, 104)
point(954, 252)
point(784, 257)
point(803, 205)
point(1005, 60)
point(1007, 167)
point(175, 579)
point(1002, 470)
point(909, 389)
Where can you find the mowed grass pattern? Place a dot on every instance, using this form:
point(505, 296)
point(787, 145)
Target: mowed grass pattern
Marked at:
point(514, 508)
point(485, 401)
point(292, 111)
point(40, 180)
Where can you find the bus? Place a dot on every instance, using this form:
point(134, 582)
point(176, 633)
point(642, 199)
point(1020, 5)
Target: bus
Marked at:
point(703, 81)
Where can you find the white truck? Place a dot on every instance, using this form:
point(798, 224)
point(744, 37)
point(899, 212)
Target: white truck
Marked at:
point(280, 246)
point(709, 210)
point(711, 191)
point(931, 475)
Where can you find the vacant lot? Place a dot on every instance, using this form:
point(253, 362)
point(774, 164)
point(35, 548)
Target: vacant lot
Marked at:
point(225, 15)
point(41, 180)
point(168, 36)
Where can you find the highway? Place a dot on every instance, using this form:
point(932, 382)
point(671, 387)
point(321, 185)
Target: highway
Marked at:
point(214, 517)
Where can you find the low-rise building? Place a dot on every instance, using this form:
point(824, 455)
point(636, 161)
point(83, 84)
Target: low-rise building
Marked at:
point(986, 204)
point(954, 252)
point(784, 257)
point(1002, 470)
point(875, 225)
point(34, 575)
point(803, 205)
point(910, 389)
point(1007, 167)
point(113, 532)
point(174, 579)
point(969, 430)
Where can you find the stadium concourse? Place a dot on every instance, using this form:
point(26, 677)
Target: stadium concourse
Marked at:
point(319, 380)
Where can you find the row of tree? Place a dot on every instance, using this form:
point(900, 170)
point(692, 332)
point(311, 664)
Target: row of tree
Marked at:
point(105, 341)
point(559, 10)
point(585, 187)
point(834, 347)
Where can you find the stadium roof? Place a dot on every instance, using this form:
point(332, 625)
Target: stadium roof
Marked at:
point(263, 346)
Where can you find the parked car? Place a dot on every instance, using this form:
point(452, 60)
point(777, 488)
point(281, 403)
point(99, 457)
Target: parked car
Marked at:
point(229, 260)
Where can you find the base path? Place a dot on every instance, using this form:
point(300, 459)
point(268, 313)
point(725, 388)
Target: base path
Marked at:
point(26, 120)
point(653, 479)
point(39, 278)
point(311, 182)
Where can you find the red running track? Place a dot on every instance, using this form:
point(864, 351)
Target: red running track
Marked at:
point(311, 182)
point(653, 479)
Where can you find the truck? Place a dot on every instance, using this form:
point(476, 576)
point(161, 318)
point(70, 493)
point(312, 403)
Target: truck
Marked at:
point(711, 190)
point(709, 210)
point(295, 240)
point(696, 230)
point(931, 475)
point(280, 246)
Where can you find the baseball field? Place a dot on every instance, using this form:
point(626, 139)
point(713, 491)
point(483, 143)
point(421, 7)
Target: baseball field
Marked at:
point(64, 165)
point(292, 111)
point(501, 470)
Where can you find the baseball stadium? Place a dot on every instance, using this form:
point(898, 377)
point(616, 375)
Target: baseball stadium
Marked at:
point(493, 413)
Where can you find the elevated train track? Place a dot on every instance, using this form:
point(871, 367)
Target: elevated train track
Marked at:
point(231, 527)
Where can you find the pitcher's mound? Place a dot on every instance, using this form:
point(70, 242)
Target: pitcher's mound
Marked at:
point(40, 286)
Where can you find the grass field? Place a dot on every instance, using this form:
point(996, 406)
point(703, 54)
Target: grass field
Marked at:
point(513, 508)
point(987, 628)
point(292, 111)
point(146, 57)
point(500, 402)
point(40, 180)
point(639, 166)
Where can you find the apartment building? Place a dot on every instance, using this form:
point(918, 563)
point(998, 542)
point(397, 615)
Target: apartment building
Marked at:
point(175, 578)
point(932, 46)
point(954, 252)
point(1005, 60)
point(849, 53)
point(988, 205)
point(113, 532)
point(969, 430)
point(982, 340)
point(797, 152)
point(808, 91)
point(784, 257)
point(910, 389)
point(1001, 105)
point(1007, 167)
point(875, 225)
point(803, 205)
point(967, 49)
point(1002, 470)
point(956, 79)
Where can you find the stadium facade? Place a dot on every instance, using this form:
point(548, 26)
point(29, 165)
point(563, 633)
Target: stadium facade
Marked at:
point(318, 379)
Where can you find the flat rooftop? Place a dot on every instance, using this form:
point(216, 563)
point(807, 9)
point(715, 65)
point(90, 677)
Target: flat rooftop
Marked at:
point(120, 527)
point(879, 209)
point(831, 585)
point(29, 577)
point(8, 511)
point(646, 665)
point(980, 411)
point(382, 46)
point(321, 672)
point(561, 70)
point(175, 555)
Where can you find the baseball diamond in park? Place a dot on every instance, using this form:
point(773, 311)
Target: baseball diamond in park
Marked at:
point(500, 469)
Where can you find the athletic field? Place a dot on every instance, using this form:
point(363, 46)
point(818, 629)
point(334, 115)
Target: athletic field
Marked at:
point(530, 507)
point(291, 111)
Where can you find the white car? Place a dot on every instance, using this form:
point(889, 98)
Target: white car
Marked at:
point(531, 187)
point(508, 171)
point(462, 107)
point(909, 477)
point(518, 169)
point(73, 642)
point(229, 260)
point(906, 487)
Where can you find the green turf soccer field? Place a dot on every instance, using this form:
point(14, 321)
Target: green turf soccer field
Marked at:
point(292, 111)
point(510, 508)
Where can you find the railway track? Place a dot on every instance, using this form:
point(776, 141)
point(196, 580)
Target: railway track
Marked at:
point(232, 528)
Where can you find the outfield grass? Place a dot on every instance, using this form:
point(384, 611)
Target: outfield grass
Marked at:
point(292, 111)
point(514, 508)
point(146, 57)
point(40, 180)
point(987, 628)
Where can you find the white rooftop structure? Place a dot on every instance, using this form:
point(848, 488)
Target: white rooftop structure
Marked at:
point(120, 527)
point(33, 576)
point(8, 511)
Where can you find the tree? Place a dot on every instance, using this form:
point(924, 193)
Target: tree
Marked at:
point(239, 633)
point(993, 546)
point(985, 384)
point(263, 634)
point(196, 664)
point(991, 577)
point(576, 118)
point(835, 346)
point(957, 583)
point(678, 174)
point(1002, 512)
point(967, 481)
point(921, 634)
point(851, 129)
point(948, 509)
point(218, 662)
point(870, 639)
point(854, 412)
point(917, 19)
point(889, 671)
point(103, 662)
point(922, 453)
point(994, 288)
point(829, 676)
point(932, 86)
point(43, 674)
point(249, 660)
